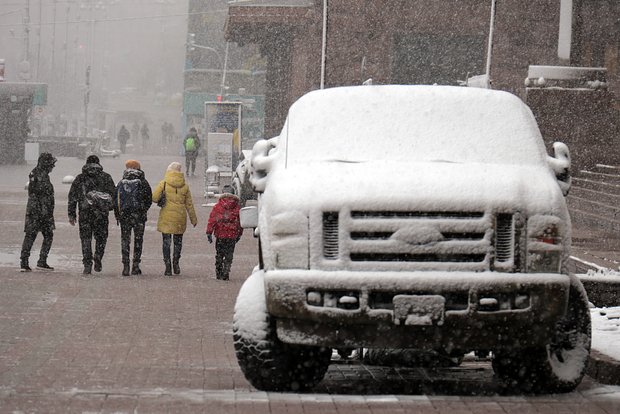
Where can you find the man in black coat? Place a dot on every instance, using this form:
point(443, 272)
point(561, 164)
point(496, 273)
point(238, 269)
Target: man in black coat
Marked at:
point(133, 198)
point(123, 137)
point(39, 212)
point(93, 220)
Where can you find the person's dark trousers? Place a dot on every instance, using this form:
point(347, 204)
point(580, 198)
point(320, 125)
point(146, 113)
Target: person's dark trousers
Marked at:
point(127, 226)
point(224, 249)
point(93, 226)
point(177, 240)
point(190, 163)
point(30, 237)
point(123, 146)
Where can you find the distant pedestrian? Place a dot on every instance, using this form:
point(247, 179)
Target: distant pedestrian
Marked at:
point(133, 198)
point(135, 131)
point(191, 144)
point(164, 135)
point(123, 137)
point(39, 212)
point(225, 226)
point(92, 194)
point(172, 220)
point(144, 131)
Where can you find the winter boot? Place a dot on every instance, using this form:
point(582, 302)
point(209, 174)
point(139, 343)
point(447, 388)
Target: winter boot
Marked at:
point(175, 267)
point(168, 271)
point(125, 269)
point(135, 269)
point(225, 270)
point(43, 265)
point(24, 267)
point(87, 269)
point(97, 264)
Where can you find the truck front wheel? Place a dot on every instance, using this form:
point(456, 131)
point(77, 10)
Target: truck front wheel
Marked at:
point(559, 366)
point(268, 363)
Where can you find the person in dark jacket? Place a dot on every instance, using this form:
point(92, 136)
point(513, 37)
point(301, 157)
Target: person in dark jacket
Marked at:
point(93, 215)
point(123, 137)
point(191, 144)
point(224, 224)
point(133, 198)
point(39, 212)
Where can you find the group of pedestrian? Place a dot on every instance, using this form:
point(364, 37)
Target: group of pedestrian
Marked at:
point(167, 133)
point(93, 195)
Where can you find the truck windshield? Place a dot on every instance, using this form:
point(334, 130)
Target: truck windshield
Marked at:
point(415, 123)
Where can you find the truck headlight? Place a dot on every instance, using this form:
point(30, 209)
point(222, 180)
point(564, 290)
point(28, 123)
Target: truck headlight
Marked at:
point(289, 240)
point(545, 244)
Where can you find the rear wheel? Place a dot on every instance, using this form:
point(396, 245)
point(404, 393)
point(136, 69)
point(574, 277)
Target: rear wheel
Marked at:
point(559, 366)
point(268, 363)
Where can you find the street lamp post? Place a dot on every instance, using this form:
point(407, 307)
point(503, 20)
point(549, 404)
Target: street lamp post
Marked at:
point(223, 62)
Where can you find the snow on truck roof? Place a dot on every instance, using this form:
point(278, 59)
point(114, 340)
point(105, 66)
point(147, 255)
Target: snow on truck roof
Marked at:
point(413, 122)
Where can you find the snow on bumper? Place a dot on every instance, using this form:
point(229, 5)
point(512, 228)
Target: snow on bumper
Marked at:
point(462, 310)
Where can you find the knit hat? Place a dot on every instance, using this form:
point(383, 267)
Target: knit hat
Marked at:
point(174, 166)
point(227, 189)
point(92, 159)
point(133, 164)
point(46, 159)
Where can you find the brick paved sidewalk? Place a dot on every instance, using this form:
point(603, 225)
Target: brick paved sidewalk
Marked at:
point(152, 344)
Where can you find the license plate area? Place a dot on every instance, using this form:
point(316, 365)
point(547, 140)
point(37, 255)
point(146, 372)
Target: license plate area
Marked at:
point(419, 310)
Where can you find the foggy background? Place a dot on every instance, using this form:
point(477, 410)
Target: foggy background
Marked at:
point(135, 49)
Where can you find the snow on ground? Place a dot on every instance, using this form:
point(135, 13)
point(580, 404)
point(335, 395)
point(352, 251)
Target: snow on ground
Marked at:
point(606, 331)
point(606, 321)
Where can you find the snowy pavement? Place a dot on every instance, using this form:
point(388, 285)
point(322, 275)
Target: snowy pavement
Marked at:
point(606, 331)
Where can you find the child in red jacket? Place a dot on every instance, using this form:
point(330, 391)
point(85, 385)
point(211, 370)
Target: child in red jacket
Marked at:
point(224, 224)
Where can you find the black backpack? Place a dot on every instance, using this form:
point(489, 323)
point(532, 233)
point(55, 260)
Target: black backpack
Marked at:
point(95, 200)
point(128, 195)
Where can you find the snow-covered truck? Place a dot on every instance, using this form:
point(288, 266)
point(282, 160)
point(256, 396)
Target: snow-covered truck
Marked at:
point(411, 217)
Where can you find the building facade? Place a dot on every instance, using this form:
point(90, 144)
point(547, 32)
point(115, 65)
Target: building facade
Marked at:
point(419, 42)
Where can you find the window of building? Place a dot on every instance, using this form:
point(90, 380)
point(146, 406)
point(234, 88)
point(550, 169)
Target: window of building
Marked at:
point(441, 59)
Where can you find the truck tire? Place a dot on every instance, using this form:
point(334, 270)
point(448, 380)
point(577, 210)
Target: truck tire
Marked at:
point(268, 363)
point(559, 366)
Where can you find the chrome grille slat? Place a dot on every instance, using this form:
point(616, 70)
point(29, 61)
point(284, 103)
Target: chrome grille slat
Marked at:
point(504, 238)
point(330, 235)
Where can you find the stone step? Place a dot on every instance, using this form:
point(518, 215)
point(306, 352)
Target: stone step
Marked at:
point(595, 222)
point(596, 205)
point(605, 198)
point(594, 184)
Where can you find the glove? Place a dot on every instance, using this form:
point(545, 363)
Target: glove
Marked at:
point(210, 238)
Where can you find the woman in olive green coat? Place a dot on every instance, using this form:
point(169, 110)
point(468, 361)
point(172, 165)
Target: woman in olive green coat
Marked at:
point(172, 220)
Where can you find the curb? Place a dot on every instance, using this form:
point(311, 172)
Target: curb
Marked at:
point(603, 368)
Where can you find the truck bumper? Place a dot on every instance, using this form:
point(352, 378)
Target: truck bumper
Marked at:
point(426, 310)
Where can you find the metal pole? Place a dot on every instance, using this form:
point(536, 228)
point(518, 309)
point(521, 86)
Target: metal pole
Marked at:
point(39, 40)
point(86, 100)
point(324, 44)
point(52, 71)
point(224, 71)
point(490, 46)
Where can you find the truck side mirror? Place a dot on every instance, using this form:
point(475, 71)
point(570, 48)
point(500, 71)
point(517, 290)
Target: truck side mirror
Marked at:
point(560, 164)
point(262, 159)
point(248, 217)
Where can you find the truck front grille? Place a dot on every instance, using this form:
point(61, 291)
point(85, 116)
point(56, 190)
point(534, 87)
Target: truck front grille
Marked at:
point(415, 239)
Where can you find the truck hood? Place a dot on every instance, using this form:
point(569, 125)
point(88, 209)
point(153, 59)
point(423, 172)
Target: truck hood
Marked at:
point(421, 186)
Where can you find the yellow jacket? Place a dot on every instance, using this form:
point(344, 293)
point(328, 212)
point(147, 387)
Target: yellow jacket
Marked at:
point(173, 216)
